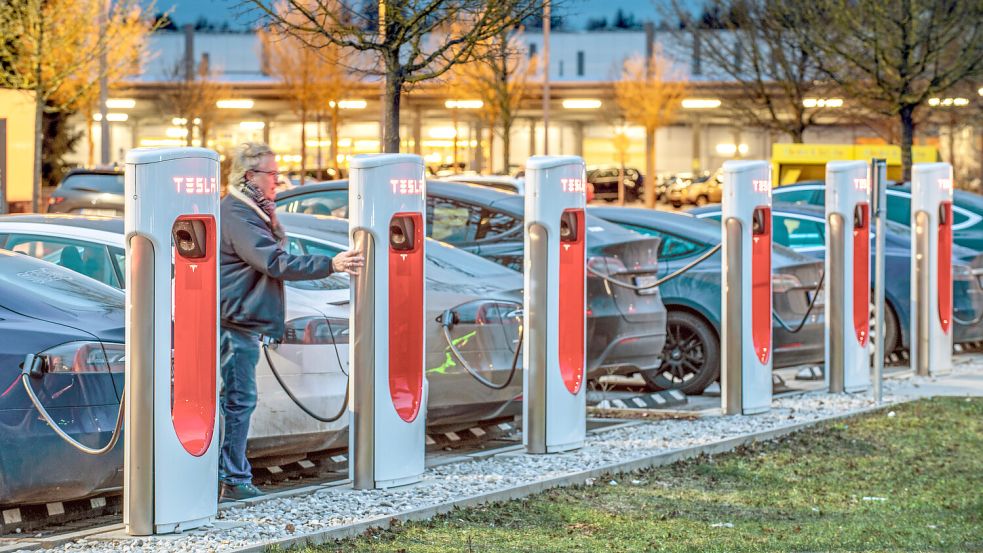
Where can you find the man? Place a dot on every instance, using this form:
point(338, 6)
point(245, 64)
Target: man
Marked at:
point(253, 268)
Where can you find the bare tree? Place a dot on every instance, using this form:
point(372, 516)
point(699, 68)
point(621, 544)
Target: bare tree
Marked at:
point(397, 36)
point(748, 43)
point(191, 95)
point(649, 94)
point(315, 81)
point(52, 48)
point(892, 56)
point(499, 77)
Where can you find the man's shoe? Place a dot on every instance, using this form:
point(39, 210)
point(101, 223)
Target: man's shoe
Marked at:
point(235, 492)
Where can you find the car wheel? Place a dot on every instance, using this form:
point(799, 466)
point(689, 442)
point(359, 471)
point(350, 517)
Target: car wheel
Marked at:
point(891, 330)
point(677, 205)
point(702, 200)
point(690, 358)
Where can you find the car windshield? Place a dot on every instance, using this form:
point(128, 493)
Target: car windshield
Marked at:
point(98, 182)
point(25, 280)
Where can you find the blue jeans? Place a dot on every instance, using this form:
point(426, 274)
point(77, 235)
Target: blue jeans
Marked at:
point(239, 354)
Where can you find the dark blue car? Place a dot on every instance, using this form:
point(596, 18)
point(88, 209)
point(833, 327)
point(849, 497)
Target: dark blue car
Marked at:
point(967, 209)
point(77, 323)
point(803, 228)
point(691, 358)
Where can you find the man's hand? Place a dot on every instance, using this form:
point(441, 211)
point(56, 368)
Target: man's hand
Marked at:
point(349, 262)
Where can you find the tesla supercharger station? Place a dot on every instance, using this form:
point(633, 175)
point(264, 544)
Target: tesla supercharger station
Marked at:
point(931, 268)
point(170, 466)
point(847, 276)
point(387, 436)
point(746, 300)
point(554, 410)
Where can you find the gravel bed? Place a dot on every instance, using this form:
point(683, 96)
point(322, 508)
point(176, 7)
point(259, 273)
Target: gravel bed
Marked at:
point(333, 507)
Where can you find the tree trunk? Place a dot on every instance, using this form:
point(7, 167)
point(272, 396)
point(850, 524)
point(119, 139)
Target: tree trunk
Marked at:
point(391, 98)
point(320, 156)
point(797, 134)
point(649, 177)
point(491, 148)
point(907, 137)
point(334, 141)
point(506, 147)
point(89, 139)
point(454, 138)
point(303, 145)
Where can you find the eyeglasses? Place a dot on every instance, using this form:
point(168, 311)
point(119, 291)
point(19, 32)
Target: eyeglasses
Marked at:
point(274, 173)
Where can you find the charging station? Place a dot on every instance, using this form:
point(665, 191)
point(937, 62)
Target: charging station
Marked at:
point(387, 433)
point(847, 328)
point(170, 466)
point(554, 410)
point(745, 371)
point(931, 268)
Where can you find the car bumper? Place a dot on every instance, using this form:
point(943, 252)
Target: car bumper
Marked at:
point(806, 347)
point(616, 346)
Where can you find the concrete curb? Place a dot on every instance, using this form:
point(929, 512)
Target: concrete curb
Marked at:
point(661, 459)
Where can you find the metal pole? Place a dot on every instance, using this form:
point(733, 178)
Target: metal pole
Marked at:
point(546, 77)
point(104, 144)
point(878, 176)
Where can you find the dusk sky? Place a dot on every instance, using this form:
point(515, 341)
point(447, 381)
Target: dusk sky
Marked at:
point(577, 11)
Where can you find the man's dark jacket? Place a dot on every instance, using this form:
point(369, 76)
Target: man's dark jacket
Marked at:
point(254, 266)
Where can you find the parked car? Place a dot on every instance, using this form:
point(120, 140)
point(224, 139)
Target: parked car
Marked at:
point(625, 328)
point(89, 192)
point(317, 313)
point(691, 358)
point(803, 228)
point(605, 181)
point(78, 322)
point(498, 182)
point(696, 190)
point(967, 209)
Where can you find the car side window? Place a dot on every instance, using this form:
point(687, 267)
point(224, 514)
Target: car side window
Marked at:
point(495, 223)
point(118, 256)
point(87, 258)
point(329, 202)
point(799, 197)
point(451, 221)
point(798, 233)
point(899, 209)
point(671, 246)
point(317, 248)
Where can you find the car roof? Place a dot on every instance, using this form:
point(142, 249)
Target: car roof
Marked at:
point(475, 192)
point(682, 224)
point(94, 172)
point(92, 222)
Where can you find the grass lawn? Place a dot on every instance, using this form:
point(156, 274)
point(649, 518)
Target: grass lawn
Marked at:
point(908, 482)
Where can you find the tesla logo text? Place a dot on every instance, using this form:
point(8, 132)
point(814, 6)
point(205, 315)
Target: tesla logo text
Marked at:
point(860, 185)
point(573, 185)
point(195, 185)
point(407, 186)
point(760, 185)
point(945, 184)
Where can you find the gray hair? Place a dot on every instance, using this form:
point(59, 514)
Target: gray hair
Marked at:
point(247, 157)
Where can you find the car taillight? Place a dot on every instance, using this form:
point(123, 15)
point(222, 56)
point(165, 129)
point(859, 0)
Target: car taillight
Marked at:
point(55, 200)
point(606, 265)
point(781, 283)
point(962, 272)
point(316, 330)
point(86, 357)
